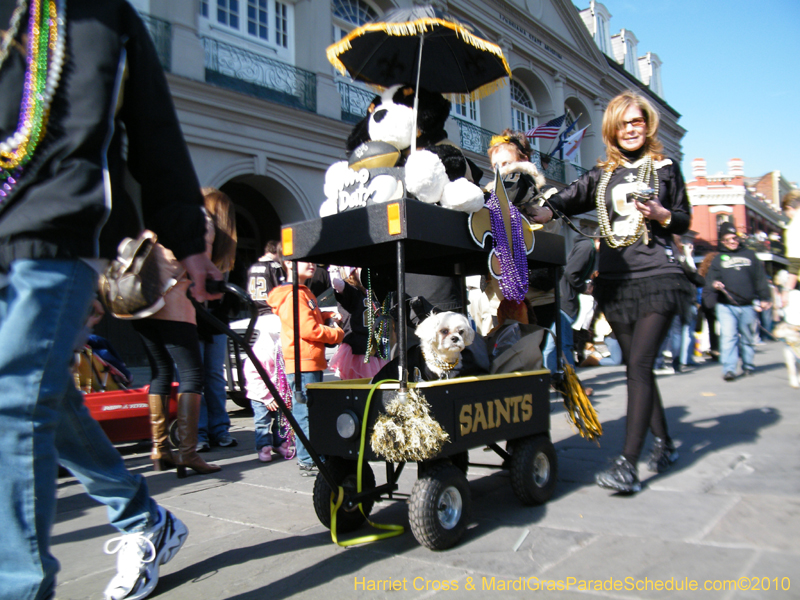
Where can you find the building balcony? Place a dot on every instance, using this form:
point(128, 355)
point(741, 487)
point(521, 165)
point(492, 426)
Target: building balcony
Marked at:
point(579, 171)
point(355, 101)
point(552, 167)
point(473, 138)
point(161, 32)
point(250, 73)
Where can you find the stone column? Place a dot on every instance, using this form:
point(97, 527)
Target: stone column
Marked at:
point(188, 55)
point(558, 94)
point(313, 30)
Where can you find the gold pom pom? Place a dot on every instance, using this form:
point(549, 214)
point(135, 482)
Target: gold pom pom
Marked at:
point(407, 432)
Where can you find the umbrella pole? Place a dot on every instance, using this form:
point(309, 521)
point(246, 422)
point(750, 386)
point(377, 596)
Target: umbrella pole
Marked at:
point(416, 92)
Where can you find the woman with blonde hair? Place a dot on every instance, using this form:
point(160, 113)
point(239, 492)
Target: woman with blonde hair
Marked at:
point(214, 423)
point(641, 201)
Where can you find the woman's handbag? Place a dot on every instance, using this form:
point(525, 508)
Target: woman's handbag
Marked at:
point(134, 285)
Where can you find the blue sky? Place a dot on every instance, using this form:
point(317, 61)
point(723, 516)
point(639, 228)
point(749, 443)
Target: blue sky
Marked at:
point(732, 70)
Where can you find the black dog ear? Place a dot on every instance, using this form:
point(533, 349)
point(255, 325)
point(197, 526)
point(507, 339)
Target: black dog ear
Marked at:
point(404, 96)
point(433, 112)
point(360, 132)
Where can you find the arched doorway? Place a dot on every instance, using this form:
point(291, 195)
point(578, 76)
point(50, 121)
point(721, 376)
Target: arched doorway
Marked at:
point(256, 224)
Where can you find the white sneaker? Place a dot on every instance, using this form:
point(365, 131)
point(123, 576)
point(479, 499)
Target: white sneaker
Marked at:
point(664, 371)
point(139, 555)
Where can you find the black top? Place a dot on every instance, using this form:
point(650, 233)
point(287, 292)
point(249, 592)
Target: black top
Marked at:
point(262, 277)
point(70, 202)
point(352, 307)
point(743, 276)
point(639, 259)
point(580, 265)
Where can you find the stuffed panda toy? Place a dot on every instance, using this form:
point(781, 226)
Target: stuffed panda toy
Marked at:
point(378, 160)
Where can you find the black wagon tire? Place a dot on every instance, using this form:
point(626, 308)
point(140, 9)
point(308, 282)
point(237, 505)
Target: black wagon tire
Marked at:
point(344, 472)
point(533, 469)
point(440, 506)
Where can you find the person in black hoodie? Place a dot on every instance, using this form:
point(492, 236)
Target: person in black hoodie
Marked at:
point(736, 279)
point(76, 103)
point(641, 200)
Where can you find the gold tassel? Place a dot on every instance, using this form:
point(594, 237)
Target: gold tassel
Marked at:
point(407, 432)
point(580, 411)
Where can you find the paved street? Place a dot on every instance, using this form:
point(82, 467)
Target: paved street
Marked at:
point(728, 511)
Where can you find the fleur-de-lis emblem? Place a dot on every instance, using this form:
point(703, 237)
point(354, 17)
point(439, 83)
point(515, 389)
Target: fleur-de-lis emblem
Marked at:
point(480, 226)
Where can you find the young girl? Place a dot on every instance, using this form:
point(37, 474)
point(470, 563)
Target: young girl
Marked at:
point(349, 362)
point(266, 417)
point(314, 334)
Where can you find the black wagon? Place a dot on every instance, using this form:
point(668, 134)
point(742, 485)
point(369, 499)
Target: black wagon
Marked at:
point(475, 411)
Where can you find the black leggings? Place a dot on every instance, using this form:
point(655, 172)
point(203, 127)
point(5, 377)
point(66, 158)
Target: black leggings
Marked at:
point(640, 343)
point(168, 341)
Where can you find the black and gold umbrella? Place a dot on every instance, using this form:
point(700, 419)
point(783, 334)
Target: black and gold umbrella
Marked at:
point(458, 60)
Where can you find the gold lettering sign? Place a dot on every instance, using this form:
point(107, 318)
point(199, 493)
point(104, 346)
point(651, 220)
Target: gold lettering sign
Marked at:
point(491, 414)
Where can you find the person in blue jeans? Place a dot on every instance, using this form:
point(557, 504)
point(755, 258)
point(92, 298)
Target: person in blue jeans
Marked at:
point(58, 226)
point(214, 423)
point(738, 279)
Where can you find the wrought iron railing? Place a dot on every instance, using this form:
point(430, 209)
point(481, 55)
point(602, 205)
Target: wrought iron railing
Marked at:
point(161, 32)
point(580, 171)
point(256, 75)
point(355, 101)
point(473, 138)
point(552, 167)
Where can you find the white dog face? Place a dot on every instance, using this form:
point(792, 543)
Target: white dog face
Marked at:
point(445, 334)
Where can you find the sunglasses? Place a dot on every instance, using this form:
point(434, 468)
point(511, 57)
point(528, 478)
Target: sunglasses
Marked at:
point(637, 123)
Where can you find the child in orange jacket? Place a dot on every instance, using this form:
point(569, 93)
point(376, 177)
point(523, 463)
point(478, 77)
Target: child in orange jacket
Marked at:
point(314, 334)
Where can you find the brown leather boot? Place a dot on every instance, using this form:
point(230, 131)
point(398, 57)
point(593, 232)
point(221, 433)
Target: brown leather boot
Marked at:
point(162, 454)
point(188, 417)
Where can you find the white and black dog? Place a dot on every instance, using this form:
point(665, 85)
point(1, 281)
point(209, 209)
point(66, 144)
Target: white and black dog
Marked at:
point(443, 337)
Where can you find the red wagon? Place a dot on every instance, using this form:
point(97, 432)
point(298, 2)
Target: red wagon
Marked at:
point(124, 415)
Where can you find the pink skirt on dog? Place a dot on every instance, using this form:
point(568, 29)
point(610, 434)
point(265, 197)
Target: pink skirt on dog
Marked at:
point(347, 365)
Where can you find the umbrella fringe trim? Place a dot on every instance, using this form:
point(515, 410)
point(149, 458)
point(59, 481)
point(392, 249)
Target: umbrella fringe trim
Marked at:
point(412, 28)
point(481, 92)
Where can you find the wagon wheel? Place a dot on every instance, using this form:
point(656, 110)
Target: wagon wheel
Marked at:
point(439, 506)
point(533, 469)
point(344, 473)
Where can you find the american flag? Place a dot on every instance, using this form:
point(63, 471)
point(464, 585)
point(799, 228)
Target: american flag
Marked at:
point(549, 130)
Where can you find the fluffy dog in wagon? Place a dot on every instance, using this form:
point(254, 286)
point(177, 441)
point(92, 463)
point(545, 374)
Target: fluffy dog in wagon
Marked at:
point(443, 338)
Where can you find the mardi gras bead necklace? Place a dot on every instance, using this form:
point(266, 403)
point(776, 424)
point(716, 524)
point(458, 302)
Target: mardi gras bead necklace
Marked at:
point(285, 391)
point(370, 307)
point(45, 61)
point(440, 363)
point(636, 226)
point(512, 257)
